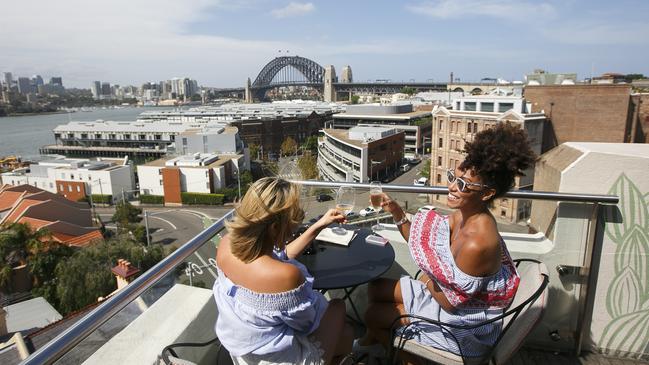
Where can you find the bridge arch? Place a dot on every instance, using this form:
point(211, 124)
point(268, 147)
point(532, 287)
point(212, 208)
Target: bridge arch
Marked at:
point(313, 72)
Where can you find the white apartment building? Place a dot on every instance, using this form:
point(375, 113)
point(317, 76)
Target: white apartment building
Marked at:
point(236, 111)
point(76, 178)
point(360, 154)
point(453, 127)
point(195, 173)
point(415, 124)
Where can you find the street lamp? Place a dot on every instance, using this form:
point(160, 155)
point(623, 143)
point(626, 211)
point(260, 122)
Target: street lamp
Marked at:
point(146, 223)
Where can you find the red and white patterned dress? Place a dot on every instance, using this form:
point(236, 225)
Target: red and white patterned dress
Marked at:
point(476, 299)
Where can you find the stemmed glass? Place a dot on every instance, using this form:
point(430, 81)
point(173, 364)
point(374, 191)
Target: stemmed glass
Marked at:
point(375, 199)
point(345, 198)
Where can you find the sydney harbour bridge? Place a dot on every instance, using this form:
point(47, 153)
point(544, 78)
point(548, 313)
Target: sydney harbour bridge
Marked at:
point(300, 71)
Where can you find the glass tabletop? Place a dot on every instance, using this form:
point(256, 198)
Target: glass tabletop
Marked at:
point(336, 267)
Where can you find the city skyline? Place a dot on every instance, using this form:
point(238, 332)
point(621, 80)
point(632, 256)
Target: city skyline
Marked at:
point(221, 45)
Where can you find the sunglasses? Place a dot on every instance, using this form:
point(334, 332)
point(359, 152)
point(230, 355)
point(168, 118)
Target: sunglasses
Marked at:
point(462, 184)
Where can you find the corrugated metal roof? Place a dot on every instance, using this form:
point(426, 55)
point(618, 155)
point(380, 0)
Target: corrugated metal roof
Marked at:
point(33, 313)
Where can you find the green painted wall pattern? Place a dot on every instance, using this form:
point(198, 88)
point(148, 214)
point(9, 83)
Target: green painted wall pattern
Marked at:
point(627, 298)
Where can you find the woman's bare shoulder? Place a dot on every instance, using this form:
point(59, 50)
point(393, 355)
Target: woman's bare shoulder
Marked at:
point(263, 275)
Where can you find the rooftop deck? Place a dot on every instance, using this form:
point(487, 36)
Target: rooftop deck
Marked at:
point(578, 243)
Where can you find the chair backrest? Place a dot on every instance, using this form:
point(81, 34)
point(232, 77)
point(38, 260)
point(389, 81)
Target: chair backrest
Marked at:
point(534, 280)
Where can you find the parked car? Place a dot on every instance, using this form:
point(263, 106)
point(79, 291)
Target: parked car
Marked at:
point(352, 215)
point(405, 167)
point(323, 197)
point(368, 211)
point(426, 208)
point(421, 181)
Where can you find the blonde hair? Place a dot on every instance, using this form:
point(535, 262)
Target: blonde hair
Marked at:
point(265, 217)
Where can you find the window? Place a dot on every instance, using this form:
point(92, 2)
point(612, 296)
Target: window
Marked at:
point(160, 182)
point(441, 143)
point(439, 160)
point(503, 107)
point(78, 189)
point(172, 138)
point(503, 213)
point(112, 136)
point(70, 135)
point(452, 127)
point(57, 135)
point(158, 137)
point(70, 188)
point(127, 136)
point(71, 176)
point(441, 123)
point(439, 178)
point(62, 176)
point(61, 187)
point(84, 136)
point(97, 136)
point(470, 106)
point(51, 186)
point(475, 127)
point(468, 127)
point(487, 107)
point(142, 137)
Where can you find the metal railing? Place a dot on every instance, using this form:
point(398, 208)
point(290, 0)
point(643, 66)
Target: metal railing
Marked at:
point(65, 341)
point(517, 194)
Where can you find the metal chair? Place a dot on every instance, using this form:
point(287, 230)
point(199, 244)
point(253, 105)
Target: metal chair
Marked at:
point(519, 319)
point(170, 357)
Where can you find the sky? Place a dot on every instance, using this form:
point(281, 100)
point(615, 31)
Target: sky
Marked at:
point(221, 43)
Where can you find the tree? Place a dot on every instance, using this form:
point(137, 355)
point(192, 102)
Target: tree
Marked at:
point(425, 170)
point(254, 151)
point(355, 99)
point(408, 90)
point(87, 275)
point(311, 144)
point(126, 213)
point(288, 147)
point(18, 243)
point(308, 166)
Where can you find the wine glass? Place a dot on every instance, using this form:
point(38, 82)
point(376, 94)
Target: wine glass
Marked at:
point(376, 196)
point(345, 198)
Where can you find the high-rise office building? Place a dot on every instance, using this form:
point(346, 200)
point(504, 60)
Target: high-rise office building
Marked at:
point(105, 88)
point(8, 80)
point(56, 81)
point(95, 88)
point(37, 80)
point(25, 85)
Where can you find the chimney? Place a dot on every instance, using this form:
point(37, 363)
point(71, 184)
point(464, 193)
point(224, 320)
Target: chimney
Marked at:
point(124, 273)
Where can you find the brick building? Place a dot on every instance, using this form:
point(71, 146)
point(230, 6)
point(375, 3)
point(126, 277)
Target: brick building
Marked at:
point(585, 113)
point(452, 128)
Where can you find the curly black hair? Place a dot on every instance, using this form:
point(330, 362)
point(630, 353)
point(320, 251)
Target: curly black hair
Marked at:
point(498, 155)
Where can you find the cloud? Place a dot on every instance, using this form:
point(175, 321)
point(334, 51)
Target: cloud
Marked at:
point(126, 42)
point(504, 9)
point(292, 10)
point(598, 33)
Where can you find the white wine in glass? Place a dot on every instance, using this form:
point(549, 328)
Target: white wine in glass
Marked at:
point(345, 198)
point(376, 197)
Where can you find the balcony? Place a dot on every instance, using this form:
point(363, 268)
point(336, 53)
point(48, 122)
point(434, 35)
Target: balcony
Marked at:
point(577, 238)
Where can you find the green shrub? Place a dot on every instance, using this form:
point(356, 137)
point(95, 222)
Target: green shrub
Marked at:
point(152, 199)
point(202, 199)
point(102, 199)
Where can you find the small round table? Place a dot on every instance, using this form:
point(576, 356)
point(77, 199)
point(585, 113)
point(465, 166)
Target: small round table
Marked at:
point(346, 267)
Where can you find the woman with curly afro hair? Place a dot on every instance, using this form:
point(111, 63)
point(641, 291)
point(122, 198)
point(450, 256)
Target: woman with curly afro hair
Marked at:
point(468, 274)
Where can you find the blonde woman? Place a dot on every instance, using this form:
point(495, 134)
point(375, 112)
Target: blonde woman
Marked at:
point(268, 310)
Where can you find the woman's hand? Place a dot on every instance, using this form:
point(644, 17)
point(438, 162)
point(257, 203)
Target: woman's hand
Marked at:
point(331, 216)
point(391, 206)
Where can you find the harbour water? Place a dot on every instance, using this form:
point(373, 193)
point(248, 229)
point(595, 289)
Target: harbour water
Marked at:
point(23, 136)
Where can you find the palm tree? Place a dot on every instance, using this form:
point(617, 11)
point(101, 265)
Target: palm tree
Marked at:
point(18, 242)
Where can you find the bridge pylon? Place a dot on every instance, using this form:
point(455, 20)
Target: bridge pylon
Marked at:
point(247, 92)
point(329, 80)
